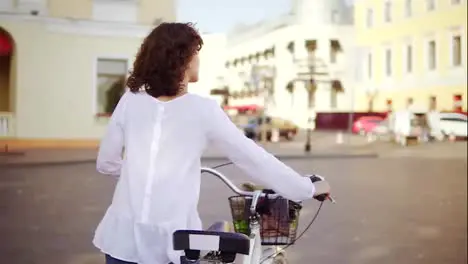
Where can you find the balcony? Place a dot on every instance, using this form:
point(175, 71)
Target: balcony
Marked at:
point(7, 125)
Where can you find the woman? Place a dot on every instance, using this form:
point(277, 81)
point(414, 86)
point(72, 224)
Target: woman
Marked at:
point(164, 131)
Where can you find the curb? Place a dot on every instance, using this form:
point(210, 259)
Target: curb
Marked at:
point(204, 159)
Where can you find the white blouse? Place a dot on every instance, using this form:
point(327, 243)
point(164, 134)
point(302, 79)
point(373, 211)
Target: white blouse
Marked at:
point(159, 184)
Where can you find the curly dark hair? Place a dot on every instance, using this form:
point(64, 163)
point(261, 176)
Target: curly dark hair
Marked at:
point(163, 57)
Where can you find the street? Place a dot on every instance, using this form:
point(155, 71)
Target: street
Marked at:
point(389, 210)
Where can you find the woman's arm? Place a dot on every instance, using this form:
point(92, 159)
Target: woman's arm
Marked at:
point(253, 159)
point(109, 160)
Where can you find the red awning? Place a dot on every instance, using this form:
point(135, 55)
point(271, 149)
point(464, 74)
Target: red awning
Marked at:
point(243, 107)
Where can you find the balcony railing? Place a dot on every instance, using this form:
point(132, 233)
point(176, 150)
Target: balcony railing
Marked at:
point(7, 125)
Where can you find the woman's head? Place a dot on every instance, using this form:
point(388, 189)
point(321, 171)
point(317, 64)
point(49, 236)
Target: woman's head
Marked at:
point(167, 60)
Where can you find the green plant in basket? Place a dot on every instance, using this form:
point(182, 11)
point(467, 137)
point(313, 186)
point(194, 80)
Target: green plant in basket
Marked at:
point(241, 226)
point(293, 224)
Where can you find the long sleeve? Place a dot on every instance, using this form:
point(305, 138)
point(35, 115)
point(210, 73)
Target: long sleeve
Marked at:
point(253, 159)
point(109, 160)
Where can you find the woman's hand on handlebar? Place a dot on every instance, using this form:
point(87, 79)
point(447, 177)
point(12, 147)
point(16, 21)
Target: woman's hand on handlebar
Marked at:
point(322, 188)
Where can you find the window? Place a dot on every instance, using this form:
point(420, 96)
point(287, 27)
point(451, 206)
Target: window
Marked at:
point(431, 55)
point(371, 95)
point(369, 17)
point(408, 8)
point(115, 11)
point(333, 55)
point(433, 103)
point(456, 50)
point(334, 90)
point(369, 65)
point(111, 75)
point(335, 17)
point(335, 49)
point(409, 101)
point(333, 98)
point(457, 102)
point(430, 5)
point(388, 11)
point(409, 58)
point(389, 103)
point(388, 62)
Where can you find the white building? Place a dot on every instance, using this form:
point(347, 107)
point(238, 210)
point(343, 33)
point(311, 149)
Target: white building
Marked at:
point(280, 53)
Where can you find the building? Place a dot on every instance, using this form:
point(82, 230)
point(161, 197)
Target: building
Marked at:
point(295, 64)
point(211, 65)
point(63, 64)
point(413, 52)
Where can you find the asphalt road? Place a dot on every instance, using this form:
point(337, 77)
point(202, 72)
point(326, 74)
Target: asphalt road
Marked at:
point(389, 210)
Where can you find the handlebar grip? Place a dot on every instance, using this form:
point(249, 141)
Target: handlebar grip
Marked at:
point(268, 191)
point(316, 178)
point(321, 197)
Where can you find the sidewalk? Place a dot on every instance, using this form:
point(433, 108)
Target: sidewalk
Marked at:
point(323, 146)
point(433, 150)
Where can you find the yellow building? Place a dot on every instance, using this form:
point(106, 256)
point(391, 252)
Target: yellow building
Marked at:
point(411, 50)
point(69, 58)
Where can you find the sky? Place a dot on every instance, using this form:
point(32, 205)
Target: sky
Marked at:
point(214, 16)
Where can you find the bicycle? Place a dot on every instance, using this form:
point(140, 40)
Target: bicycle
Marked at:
point(263, 221)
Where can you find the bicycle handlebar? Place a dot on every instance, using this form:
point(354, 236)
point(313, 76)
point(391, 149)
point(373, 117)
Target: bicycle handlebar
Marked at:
point(236, 189)
point(231, 185)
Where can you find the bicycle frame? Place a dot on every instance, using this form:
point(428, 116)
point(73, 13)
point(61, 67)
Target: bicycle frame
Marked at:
point(258, 254)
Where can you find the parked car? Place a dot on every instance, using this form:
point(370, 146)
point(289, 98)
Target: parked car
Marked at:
point(366, 124)
point(286, 128)
point(422, 126)
point(383, 129)
point(453, 124)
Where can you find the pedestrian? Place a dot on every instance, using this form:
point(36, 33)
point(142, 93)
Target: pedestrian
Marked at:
point(164, 130)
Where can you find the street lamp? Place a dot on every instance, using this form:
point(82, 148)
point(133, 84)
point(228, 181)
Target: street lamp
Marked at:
point(311, 88)
point(309, 77)
point(371, 95)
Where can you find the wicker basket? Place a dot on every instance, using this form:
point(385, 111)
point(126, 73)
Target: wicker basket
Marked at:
point(279, 218)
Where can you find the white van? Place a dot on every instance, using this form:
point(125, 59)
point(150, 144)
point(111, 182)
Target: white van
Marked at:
point(408, 125)
point(453, 124)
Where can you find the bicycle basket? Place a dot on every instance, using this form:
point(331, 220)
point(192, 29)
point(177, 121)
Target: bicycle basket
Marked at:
point(279, 218)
